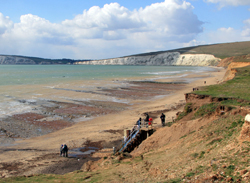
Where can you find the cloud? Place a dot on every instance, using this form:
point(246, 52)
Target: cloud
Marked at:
point(112, 28)
point(224, 35)
point(5, 23)
point(223, 3)
point(246, 30)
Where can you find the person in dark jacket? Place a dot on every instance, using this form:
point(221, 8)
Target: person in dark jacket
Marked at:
point(61, 150)
point(65, 150)
point(162, 119)
point(147, 117)
point(138, 122)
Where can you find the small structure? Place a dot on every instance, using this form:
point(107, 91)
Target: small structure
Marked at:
point(134, 137)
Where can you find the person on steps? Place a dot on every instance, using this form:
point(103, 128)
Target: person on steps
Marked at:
point(138, 123)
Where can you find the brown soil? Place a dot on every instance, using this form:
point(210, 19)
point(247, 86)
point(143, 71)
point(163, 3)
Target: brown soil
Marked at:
point(231, 70)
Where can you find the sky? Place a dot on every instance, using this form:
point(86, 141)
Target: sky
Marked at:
point(100, 29)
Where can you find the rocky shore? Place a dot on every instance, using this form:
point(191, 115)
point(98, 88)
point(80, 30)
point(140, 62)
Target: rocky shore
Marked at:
point(50, 116)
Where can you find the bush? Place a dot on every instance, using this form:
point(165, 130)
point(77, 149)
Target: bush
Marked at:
point(187, 110)
point(206, 109)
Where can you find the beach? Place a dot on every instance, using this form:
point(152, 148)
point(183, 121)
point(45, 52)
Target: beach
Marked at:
point(101, 126)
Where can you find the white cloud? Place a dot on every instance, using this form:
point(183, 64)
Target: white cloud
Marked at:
point(223, 3)
point(112, 28)
point(223, 35)
point(5, 23)
point(246, 30)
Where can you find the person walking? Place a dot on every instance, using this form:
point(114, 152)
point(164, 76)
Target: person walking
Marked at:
point(138, 123)
point(65, 150)
point(162, 119)
point(61, 150)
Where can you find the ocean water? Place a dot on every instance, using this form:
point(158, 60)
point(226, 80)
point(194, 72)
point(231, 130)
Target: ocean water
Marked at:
point(39, 83)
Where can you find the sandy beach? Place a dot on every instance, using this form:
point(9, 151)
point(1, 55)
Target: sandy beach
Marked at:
point(41, 154)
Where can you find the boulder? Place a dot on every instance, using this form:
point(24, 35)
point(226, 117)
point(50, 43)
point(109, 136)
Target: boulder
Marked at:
point(245, 132)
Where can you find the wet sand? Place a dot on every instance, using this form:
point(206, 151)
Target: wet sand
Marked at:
point(39, 154)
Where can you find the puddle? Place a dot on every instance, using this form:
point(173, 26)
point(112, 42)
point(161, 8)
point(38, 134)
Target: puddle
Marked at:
point(82, 152)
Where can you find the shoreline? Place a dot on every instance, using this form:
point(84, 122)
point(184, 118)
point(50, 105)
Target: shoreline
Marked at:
point(103, 129)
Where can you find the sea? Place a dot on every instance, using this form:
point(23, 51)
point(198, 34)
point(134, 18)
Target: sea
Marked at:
point(21, 85)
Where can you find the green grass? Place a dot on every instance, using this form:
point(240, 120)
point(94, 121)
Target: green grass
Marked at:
point(176, 180)
point(190, 174)
point(206, 110)
point(223, 50)
point(37, 178)
point(187, 110)
point(237, 88)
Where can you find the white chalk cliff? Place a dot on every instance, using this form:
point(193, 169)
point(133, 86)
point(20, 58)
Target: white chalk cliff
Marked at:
point(167, 58)
point(13, 60)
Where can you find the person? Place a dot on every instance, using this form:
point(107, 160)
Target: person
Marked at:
point(147, 117)
point(124, 139)
point(150, 122)
point(162, 119)
point(61, 150)
point(65, 150)
point(138, 123)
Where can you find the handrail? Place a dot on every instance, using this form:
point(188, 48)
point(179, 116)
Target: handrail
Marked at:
point(130, 137)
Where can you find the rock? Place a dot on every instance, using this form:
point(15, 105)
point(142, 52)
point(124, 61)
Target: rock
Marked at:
point(214, 177)
point(229, 179)
point(87, 166)
point(120, 157)
point(247, 118)
point(242, 172)
point(246, 176)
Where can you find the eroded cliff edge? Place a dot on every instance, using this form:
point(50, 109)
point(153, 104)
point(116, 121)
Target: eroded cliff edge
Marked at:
point(167, 58)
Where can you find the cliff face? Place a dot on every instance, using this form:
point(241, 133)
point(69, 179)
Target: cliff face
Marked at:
point(12, 60)
point(231, 69)
point(168, 58)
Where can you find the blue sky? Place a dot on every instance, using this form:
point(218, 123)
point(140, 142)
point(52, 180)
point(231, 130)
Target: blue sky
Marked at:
point(100, 29)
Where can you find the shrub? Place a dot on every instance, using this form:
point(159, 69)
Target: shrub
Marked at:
point(206, 109)
point(202, 154)
point(187, 110)
point(190, 174)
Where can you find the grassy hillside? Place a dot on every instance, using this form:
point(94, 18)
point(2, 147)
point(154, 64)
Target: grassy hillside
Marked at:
point(218, 50)
point(237, 88)
point(222, 50)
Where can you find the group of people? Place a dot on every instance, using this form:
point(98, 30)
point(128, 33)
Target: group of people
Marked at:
point(64, 150)
point(149, 120)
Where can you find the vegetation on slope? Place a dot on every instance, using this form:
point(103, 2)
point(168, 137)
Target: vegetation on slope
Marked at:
point(237, 88)
point(222, 51)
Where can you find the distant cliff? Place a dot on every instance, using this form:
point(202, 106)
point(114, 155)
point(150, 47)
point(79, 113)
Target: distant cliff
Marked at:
point(167, 58)
point(12, 60)
point(23, 60)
